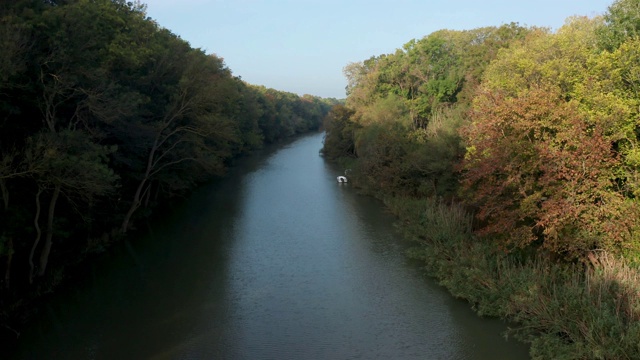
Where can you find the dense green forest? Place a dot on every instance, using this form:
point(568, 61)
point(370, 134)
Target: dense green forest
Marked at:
point(104, 116)
point(511, 155)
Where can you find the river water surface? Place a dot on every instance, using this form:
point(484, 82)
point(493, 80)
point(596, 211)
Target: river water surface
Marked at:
point(276, 261)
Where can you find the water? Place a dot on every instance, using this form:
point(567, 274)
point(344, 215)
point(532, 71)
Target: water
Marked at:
point(277, 261)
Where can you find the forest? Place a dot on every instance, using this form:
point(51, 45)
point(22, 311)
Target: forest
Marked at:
point(511, 155)
point(104, 117)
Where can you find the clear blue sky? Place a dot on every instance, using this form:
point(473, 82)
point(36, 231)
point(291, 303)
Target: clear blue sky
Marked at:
point(301, 46)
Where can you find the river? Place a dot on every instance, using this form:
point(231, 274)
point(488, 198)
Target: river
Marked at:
point(275, 261)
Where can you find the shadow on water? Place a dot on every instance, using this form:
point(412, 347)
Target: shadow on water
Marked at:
point(143, 278)
point(275, 261)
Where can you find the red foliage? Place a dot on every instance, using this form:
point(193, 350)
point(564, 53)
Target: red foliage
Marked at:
point(538, 170)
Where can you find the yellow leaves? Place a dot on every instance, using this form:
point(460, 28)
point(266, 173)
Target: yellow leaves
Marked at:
point(471, 152)
point(545, 59)
point(633, 157)
point(390, 109)
point(510, 71)
point(605, 86)
point(604, 93)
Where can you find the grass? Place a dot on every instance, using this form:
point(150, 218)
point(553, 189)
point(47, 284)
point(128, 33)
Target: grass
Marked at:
point(563, 310)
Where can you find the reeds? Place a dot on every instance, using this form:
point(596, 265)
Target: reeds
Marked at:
point(564, 310)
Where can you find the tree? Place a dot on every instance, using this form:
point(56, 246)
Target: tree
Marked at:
point(546, 59)
point(609, 95)
point(74, 96)
point(8, 170)
point(339, 133)
point(191, 126)
point(537, 169)
point(14, 42)
point(621, 22)
point(97, 99)
point(67, 163)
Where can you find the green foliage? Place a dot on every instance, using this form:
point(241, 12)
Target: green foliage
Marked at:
point(103, 113)
point(610, 98)
point(283, 114)
point(435, 153)
point(339, 133)
point(71, 159)
point(378, 146)
point(410, 104)
point(559, 169)
point(14, 44)
point(544, 59)
point(622, 22)
point(386, 110)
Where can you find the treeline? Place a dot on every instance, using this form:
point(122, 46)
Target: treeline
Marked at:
point(512, 156)
point(105, 115)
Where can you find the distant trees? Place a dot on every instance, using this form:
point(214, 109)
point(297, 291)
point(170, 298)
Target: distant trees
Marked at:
point(104, 113)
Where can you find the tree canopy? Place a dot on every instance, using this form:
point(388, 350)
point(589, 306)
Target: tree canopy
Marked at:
point(103, 114)
point(535, 130)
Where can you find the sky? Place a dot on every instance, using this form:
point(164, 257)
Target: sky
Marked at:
point(301, 46)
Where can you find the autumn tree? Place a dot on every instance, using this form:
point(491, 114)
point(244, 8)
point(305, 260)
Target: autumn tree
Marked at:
point(410, 103)
point(538, 170)
point(609, 95)
point(544, 136)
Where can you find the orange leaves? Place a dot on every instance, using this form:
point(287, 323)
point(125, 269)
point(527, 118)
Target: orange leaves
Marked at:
point(539, 171)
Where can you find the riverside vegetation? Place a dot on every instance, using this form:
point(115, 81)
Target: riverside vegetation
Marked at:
point(105, 116)
point(511, 156)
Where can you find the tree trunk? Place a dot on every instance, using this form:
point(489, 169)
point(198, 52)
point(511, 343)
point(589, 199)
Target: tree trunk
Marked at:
point(147, 197)
point(36, 222)
point(137, 197)
point(5, 194)
point(46, 250)
point(7, 272)
point(5, 200)
point(134, 206)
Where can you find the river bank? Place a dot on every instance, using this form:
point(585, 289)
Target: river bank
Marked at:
point(563, 310)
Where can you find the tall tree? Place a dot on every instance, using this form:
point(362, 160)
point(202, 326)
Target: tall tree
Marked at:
point(67, 163)
point(190, 119)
